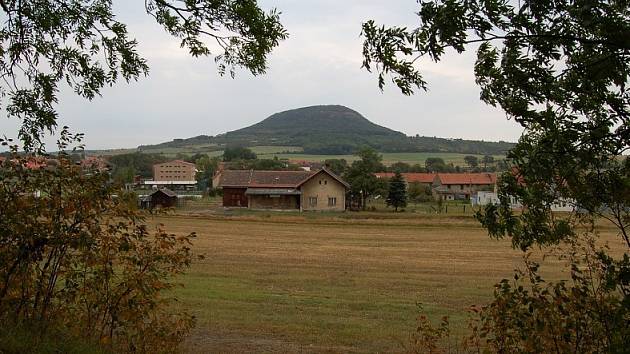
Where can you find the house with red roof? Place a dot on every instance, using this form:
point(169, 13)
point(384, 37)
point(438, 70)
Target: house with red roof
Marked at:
point(411, 177)
point(320, 190)
point(457, 186)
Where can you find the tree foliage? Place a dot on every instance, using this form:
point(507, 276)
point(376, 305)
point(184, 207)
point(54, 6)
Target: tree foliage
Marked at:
point(337, 166)
point(397, 192)
point(74, 252)
point(81, 44)
point(126, 166)
point(419, 192)
point(238, 153)
point(360, 176)
point(76, 258)
point(559, 69)
point(471, 161)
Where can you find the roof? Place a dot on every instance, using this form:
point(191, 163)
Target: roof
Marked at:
point(331, 174)
point(272, 191)
point(467, 178)
point(166, 191)
point(271, 179)
point(263, 179)
point(410, 177)
point(155, 183)
point(176, 161)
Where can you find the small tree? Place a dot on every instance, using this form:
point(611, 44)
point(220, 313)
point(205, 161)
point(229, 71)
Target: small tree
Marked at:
point(471, 161)
point(337, 166)
point(487, 160)
point(400, 167)
point(397, 194)
point(363, 182)
point(77, 258)
point(238, 153)
point(419, 192)
point(435, 164)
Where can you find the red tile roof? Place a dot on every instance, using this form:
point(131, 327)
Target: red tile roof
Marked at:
point(467, 178)
point(410, 176)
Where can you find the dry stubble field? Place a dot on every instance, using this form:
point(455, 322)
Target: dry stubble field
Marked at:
point(289, 283)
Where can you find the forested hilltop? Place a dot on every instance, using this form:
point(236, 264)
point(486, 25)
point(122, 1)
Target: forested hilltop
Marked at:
point(331, 130)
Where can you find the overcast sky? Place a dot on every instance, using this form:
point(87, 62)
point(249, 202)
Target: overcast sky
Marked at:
point(319, 64)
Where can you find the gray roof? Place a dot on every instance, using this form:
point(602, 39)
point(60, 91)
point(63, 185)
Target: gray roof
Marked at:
point(166, 191)
point(272, 191)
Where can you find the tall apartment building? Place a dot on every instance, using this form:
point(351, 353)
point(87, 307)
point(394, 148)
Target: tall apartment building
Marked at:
point(176, 170)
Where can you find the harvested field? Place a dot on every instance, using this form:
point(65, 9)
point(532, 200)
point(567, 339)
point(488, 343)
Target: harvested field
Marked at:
point(287, 283)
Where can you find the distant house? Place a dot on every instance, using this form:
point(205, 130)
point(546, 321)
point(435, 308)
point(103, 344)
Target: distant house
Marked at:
point(411, 177)
point(176, 170)
point(455, 186)
point(175, 174)
point(319, 190)
point(95, 163)
point(161, 198)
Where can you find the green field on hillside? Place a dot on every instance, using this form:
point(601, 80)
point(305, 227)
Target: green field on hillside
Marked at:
point(293, 153)
point(388, 158)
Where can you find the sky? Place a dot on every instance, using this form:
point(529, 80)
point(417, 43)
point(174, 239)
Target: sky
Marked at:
point(320, 63)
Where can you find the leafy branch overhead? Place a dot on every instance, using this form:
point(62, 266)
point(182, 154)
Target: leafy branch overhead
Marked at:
point(81, 43)
point(559, 69)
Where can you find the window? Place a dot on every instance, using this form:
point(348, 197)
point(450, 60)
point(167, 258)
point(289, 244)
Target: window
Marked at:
point(312, 201)
point(320, 181)
point(325, 181)
point(461, 187)
point(332, 201)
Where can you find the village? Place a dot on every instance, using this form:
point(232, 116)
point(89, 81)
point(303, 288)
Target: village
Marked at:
point(231, 176)
point(313, 188)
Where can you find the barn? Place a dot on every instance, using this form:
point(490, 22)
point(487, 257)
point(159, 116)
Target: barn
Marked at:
point(319, 190)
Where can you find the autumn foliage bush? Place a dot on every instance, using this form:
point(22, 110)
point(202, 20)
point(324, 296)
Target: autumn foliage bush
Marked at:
point(76, 256)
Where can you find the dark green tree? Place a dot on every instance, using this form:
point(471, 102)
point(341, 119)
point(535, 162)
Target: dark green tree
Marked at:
point(397, 193)
point(435, 164)
point(238, 153)
point(400, 167)
point(360, 175)
point(471, 161)
point(337, 166)
point(487, 160)
point(419, 192)
point(559, 69)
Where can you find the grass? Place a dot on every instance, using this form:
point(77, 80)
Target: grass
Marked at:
point(270, 152)
point(276, 282)
point(388, 158)
point(18, 339)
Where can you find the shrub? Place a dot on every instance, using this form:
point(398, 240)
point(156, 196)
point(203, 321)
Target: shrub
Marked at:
point(74, 257)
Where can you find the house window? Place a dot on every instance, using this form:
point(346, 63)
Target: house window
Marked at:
point(325, 181)
point(461, 187)
point(332, 201)
point(312, 201)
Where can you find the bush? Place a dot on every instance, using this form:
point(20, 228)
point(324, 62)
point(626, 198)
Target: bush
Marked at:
point(73, 256)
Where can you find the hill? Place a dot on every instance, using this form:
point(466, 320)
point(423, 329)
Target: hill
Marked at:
point(317, 129)
point(330, 130)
